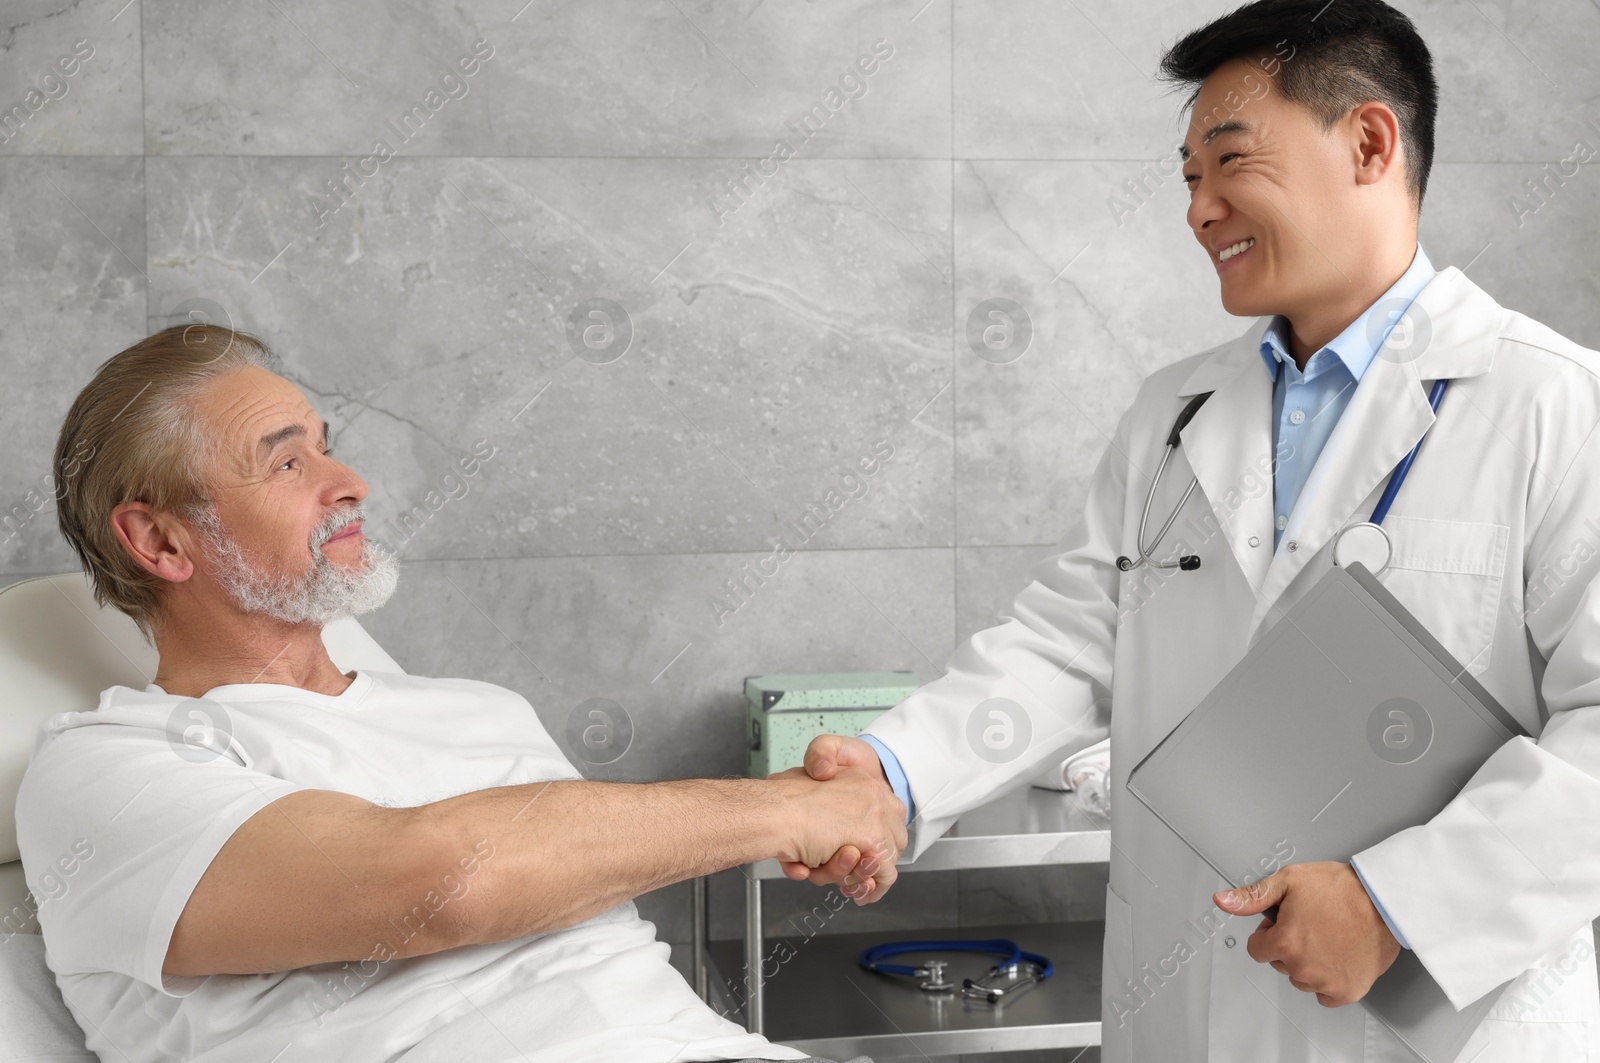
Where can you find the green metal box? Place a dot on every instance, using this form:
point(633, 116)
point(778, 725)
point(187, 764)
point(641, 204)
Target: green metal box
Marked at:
point(785, 712)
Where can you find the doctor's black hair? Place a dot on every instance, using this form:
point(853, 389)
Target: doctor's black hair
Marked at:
point(1340, 54)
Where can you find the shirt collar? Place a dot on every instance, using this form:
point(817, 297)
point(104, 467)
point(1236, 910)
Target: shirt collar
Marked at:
point(1358, 344)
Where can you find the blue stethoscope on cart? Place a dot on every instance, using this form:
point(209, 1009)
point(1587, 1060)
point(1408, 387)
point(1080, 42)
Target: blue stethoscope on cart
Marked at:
point(1366, 543)
point(1021, 969)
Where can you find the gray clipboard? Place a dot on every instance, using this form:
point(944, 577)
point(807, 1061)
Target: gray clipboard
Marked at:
point(1310, 715)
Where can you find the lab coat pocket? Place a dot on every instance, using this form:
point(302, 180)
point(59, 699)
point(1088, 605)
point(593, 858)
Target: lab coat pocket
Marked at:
point(1116, 968)
point(1449, 573)
point(1546, 1013)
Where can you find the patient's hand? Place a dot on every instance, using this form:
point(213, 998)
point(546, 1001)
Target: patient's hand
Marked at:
point(858, 876)
point(850, 813)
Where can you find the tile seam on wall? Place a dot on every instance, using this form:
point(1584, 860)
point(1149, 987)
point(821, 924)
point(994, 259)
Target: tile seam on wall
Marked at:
point(955, 390)
point(144, 171)
point(671, 158)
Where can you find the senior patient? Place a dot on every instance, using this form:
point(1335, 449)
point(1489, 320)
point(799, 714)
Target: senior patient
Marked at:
point(291, 863)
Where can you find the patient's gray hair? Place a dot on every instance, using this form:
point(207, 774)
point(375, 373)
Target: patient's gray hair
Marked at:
point(135, 433)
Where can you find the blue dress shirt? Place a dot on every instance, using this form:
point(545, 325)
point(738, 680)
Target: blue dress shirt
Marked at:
point(896, 774)
point(1305, 407)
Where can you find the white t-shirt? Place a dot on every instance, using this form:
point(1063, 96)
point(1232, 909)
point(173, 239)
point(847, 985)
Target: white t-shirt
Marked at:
point(122, 809)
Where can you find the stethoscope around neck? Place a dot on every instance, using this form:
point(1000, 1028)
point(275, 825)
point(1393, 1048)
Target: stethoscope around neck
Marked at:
point(1365, 543)
point(1188, 562)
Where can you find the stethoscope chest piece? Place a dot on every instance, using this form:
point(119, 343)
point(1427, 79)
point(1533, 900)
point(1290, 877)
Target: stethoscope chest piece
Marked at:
point(1016, 971)
point(934, 980)
point(1365, 544)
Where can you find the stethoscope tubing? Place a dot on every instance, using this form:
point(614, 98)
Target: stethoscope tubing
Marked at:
point(1144, 551)
point(1173, 439)
point(1012, 955)
point(1398, 477)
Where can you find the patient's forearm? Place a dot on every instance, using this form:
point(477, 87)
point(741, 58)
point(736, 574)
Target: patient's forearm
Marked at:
point(567, 851)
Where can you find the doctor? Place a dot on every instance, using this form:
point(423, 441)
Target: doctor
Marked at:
point(1307, 160)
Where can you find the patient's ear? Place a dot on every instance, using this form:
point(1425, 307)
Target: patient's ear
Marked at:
point(156, 541)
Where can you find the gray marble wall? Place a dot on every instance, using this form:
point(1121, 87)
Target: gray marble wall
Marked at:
point(220, 157)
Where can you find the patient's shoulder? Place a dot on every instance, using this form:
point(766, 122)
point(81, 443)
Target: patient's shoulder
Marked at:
point(410, 681)
point(405, 686)
point(119, 707)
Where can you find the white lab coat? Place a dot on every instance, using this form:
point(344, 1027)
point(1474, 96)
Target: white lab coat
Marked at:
point(1496, 545)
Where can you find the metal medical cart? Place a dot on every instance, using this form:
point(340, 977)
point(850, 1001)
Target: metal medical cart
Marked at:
point(822, 1003)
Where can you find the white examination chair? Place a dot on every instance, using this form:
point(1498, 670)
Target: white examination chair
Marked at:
point(58, 651)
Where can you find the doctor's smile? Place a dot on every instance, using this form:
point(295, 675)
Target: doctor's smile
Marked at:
point(1233, 251)
point(1304, 661)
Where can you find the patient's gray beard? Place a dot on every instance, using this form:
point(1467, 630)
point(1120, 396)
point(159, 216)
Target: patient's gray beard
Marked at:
point(328, 592)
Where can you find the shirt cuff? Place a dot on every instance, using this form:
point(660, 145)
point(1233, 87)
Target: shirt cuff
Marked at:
point(896, 774)
point(1379, 905)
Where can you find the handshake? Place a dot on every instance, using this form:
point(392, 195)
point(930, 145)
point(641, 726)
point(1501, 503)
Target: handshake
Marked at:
point(847, 828)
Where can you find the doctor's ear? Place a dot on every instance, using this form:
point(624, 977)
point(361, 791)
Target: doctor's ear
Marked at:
point(1375, 143)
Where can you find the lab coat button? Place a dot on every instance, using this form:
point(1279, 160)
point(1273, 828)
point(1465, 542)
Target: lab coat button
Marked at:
point(1228, 941)
point(1255, 541)
point(1293, 545)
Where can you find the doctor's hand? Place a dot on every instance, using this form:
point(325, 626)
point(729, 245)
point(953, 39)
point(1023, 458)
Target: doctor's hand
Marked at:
point(826, 758)
point(1329, 939)
point(851, 812)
